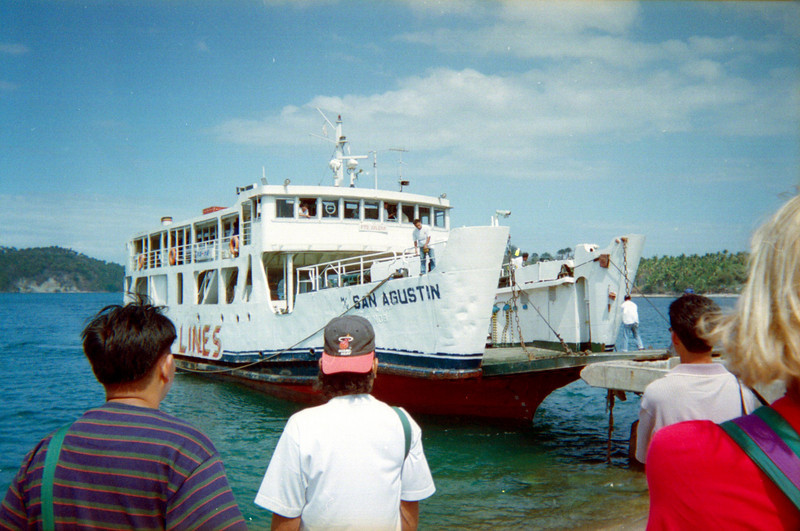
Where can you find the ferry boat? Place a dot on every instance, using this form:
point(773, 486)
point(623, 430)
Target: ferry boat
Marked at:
point(251, 286)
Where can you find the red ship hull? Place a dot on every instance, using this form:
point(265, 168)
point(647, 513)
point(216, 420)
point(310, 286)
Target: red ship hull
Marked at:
point(509, 397)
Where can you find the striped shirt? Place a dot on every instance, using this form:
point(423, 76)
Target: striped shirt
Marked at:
point(126, 467)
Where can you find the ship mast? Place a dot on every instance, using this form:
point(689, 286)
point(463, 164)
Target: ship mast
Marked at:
point(342, 161)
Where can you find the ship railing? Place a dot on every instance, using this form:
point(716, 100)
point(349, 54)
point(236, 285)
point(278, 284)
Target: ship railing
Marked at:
point(192, 252)
point(356, 270)
point(247, 232)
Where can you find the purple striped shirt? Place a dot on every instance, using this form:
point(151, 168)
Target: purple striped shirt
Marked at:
point(127, 467)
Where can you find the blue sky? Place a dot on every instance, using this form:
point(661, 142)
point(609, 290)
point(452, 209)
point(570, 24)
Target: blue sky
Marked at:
point(679, 120)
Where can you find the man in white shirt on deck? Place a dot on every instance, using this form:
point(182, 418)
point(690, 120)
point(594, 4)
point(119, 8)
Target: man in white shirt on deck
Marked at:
point(422, 240)
point(630, 324)
point(696, 389)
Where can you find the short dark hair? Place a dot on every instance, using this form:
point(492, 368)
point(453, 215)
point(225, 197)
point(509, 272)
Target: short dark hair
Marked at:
point(345, 383)
point(123, 343)
point(685, 313)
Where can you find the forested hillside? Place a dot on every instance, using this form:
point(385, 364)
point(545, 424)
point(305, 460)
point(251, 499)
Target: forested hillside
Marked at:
point(711, 273)
point(53, 269)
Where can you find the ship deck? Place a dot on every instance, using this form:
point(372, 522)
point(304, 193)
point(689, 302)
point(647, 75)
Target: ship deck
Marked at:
point(499, 361)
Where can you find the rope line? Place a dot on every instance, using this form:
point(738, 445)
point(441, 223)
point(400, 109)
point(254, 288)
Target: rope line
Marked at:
point(272, 356)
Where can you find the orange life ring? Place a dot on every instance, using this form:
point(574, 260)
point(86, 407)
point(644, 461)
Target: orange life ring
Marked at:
point(172, 256)
point(234, 246)
point(141, 261)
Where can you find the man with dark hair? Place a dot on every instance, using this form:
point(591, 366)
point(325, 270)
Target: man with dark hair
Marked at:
point(353, 462)
point(422, 246)
point(697, 388)
point(125, 464)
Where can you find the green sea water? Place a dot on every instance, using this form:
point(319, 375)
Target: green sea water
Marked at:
point(553, 474)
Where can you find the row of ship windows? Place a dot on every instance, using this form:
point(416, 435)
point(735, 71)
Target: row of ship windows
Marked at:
point(315, 208)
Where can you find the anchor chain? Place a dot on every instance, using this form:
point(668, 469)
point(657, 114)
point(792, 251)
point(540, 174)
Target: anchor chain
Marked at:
point(625, 266)
point(514, 308)
point(514, 297)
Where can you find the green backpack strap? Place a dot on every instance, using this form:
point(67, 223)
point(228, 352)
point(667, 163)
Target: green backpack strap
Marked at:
point(773, 445)
point(406, 428)
point(48, 475)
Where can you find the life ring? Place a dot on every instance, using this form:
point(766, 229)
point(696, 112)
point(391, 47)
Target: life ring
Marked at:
point(140, 261)
point(234, 246)
point(172, 256)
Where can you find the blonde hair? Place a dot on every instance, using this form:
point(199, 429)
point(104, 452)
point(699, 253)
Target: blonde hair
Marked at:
point(762, 337)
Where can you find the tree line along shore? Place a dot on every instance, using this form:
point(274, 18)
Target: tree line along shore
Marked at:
point(55, 269)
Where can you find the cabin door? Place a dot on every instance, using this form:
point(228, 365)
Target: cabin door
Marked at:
point(584, 339)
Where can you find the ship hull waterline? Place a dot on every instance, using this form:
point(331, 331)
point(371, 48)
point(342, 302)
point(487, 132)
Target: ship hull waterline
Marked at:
point(509, 392)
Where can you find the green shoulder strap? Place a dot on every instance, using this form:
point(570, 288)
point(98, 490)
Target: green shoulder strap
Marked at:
point(773, 446)
point(50, 461)
point(406, 428)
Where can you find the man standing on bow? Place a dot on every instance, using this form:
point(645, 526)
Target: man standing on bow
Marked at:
point(353, 462)
point(422, 241)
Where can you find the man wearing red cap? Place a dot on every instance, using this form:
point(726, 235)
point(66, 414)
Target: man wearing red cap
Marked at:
point(347, 463)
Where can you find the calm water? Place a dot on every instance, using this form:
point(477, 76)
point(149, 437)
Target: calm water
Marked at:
point(553, 475)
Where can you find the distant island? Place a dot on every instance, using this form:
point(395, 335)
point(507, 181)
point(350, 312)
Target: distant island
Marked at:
point(712, 273)
point(59, 270)
point(56, 270)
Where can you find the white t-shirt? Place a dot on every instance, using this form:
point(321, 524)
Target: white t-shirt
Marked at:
point(690, 391)
point(421, 235)
point(340, 466)
point(630, 313)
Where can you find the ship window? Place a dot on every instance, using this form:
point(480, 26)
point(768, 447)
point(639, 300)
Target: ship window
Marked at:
point(425, 215)
point(330, 208)
point(350, 209)
point(248, 282)
point(390, 212)
point(246, 222)
point(207, 291)
point(179, 287)
point(284, 208)
point(230, 276)
point(158, 289)
point(141, 287)
point(371, 210)
point(207, 233)
point(439, 217)
point(230, 226)
point(310, 204)
point(408, 213)
point(155, 249)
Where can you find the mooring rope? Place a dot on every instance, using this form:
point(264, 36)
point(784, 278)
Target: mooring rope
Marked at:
point(287, 349)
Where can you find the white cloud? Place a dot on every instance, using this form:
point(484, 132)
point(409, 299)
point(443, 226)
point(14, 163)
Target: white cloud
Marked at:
point(13, 49)
point(604, 88)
